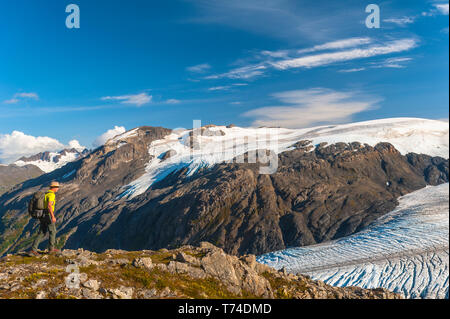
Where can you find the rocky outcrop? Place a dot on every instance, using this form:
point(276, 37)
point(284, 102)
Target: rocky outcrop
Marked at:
point(186, 272)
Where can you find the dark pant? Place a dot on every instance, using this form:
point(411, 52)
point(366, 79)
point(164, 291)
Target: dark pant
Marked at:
point(46, 226)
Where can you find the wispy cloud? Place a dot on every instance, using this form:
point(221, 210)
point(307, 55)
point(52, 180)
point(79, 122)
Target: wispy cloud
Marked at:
point(242, 73)
point(172, 101)
point(302, 108)
point(136, 99)
point(346, 55)
point(401, 21)
point(438, 8)
point(396, 63)
point(11, 101)
point(21, 96)
point(219, 88)
point(339, 51)
point(339, 44)
point(442, 8)
point(240, 84)
point(352, 70)
point(393, 63)
point(199, 68)
point(27, 96)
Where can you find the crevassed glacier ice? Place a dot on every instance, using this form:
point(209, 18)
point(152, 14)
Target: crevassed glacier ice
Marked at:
point(405, 251)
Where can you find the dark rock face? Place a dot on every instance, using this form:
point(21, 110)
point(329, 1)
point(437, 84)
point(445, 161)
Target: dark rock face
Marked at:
point(11, 175)
point(434, 169)
point(314, 196)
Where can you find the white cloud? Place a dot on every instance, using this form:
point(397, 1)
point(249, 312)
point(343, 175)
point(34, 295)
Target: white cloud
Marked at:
point(21, 96)
point(302, 108)
point(339, 44)
point(219, 88)
point(199, 68)
point(443, 8)
point(11, 101)
point(340, 51)
point(173, 101)
point(397, 63)
point(76, 145)
point(401, 21)
point(245, 72)
point(352, 70)
point(346, 55)
point(276, 54)
point(102, 139)
point(136, 99)
point(28, 95)
point(240, 84)
point(18, 144)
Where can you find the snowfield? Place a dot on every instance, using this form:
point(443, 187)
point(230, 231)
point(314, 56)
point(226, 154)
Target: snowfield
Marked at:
point(51, 165)
point(220, 144)
point(405, 251)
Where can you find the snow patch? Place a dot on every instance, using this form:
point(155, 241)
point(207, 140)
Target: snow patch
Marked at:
point(50, 165)
point(122, 137)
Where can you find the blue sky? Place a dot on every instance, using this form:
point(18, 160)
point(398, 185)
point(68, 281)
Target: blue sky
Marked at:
point(166, 63)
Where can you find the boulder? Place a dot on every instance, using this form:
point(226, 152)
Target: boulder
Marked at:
point(143, 262)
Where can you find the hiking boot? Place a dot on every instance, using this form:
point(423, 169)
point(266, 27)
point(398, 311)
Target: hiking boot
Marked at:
point(34, 253)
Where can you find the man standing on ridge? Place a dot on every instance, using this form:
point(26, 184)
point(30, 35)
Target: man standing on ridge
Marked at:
point(48, 221)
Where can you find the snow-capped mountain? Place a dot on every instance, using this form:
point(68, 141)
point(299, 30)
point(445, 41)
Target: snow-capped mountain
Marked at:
point(405, 251)
point(49, 161)
point(218, 144)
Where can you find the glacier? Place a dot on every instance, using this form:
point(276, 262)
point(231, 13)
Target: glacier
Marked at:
point(405, 251)
point(406, 134)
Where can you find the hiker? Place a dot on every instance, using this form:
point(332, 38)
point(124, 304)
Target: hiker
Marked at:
point(47, 221)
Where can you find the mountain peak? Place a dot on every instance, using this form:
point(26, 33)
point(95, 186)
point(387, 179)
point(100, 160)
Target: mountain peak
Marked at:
point(49, 161)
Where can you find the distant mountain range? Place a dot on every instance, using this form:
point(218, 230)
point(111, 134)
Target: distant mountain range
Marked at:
point(153, 187)
point(33, 166)
point(49, 161)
